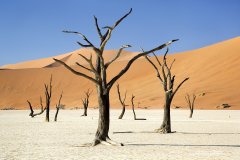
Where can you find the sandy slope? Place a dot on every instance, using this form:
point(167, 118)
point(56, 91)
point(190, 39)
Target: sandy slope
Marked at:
point(213, 70)
point(209, 135)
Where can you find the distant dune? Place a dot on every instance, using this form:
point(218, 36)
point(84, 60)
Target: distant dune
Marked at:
point(213, 71)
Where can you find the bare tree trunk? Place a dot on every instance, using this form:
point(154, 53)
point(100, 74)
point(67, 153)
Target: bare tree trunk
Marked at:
point(191, 113)
point(47, 114)
point(122, 101)
point(85, 110)
point(48, 95)
point(58, 106)
point(31, 109)
point(190, 103)
point(85, 101)
point(103, 120)
point(166, 124)
point(123, 111)
point(56, 114)
point(134, 114)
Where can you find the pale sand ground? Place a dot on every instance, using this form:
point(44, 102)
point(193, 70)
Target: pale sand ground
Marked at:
point(208, 135)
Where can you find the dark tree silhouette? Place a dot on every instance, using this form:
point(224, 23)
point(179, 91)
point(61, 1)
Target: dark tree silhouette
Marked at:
point(134, 114)
point(32, 114)
point(58, 106)
point(48, 95)
point(122, 101)
point(167, 80)
point(85, 101)
point(190, 101)
point(99, 77)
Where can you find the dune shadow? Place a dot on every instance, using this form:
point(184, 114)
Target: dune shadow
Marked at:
point(181, 145)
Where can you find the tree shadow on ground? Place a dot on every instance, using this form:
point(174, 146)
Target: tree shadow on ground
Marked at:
point(180, 145)
point(208, 133)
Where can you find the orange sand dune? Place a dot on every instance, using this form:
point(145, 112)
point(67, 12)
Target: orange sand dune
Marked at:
point(213, 71)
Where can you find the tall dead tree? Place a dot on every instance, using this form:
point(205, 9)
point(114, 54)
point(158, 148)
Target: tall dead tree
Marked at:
point(32, 114)
point(122, 101)
point(58, 106)
point(190, 101)
point(167, 80)
point(99, 77)
point(48, 96)
point(85, 101)
point(134, 114)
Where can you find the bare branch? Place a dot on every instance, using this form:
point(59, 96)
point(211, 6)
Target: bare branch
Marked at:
point(98, 29)
point(76, 72)
point(171, 64)
point(83, 36)
point(84, 45)
point(59, 101)
point(135, 58)
point(107, 35)
point(120, 20)
point(90, 64)
point(117, 55)
point(83, 67)
point(179, 86)
point(155, 67)
point(159, 63)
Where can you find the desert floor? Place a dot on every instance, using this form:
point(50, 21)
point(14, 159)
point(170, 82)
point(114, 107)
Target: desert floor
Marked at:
point(210, 134)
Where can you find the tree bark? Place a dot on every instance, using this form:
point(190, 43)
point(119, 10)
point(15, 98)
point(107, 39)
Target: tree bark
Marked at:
point(103, 119)
point(166, 124)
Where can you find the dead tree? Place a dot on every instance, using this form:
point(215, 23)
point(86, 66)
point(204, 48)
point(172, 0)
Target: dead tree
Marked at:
point(99, 76)
point(134, 114)
point(167, 80)
point(58, 106)
point(32, 111)
point(48, 95)
point(190, 103)
point(122, 101)
point(85, 102)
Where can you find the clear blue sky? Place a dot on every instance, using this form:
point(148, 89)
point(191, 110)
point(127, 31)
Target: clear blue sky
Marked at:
point(31, 29)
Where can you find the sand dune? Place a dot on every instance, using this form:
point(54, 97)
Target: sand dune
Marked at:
point(213, 71)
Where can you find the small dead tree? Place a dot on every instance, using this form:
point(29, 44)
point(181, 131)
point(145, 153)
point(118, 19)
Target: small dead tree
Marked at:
point(190, 101)
point(99, 77)
point(122, 101)
point(167, 80)
point(32, 111)
point(58, 106)
point(85, 101)
point(134, 114)
point(48, 95)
